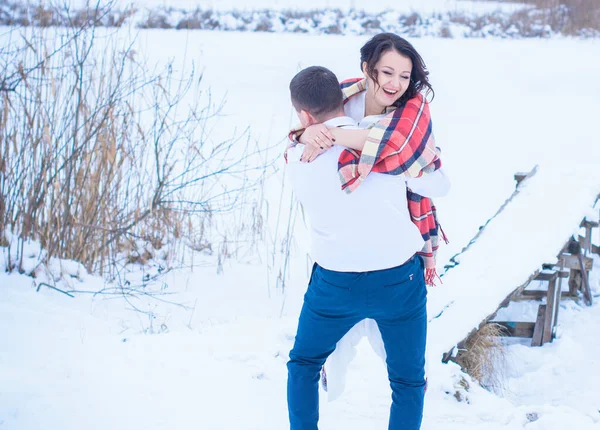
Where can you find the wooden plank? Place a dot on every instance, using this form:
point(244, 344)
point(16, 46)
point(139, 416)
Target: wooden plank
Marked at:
point(550, 310)
point(538, 329)
point(517, 292)
point(556, 268)
point(585, 223)
point(534, 294)
point(572, 262)
point(538, 295)
point(520, 176)
point(546, 276)
point(516, 329)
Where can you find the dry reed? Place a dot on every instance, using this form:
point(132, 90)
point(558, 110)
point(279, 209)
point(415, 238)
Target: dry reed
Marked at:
point(96, 162)
point(483, 356)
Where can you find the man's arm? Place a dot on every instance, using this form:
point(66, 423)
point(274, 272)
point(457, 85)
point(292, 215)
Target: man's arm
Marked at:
point(435, 184)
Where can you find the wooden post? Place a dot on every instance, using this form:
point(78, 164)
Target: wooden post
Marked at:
point(574, 282)
point(577, 267)
point(559, 293)
point(538, 329)
point(587, 240)
point(587, 244)
point(585, 283)
point(551, 308)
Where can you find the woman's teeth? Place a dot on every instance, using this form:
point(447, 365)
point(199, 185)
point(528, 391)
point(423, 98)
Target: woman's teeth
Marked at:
point(391, 93)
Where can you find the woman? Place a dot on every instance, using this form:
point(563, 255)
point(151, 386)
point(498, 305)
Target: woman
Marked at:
point(390, 105)
point(394, 73)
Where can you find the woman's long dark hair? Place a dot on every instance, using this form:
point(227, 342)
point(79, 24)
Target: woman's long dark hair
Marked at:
point(372, 51)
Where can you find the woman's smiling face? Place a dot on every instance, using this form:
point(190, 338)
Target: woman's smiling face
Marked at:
point(393, 76)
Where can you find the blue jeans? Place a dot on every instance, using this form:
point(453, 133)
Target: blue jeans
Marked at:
point(334, 302)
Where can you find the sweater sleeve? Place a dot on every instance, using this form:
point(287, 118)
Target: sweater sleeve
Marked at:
point(435, 184)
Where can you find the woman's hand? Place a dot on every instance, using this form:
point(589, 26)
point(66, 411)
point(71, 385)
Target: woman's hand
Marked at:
point(318, 137)
point(310, 153)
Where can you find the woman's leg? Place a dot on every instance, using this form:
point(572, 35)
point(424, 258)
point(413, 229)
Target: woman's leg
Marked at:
point(331, 308)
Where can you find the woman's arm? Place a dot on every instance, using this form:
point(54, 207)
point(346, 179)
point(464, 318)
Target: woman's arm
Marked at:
point(350, 138)
point(319, 138)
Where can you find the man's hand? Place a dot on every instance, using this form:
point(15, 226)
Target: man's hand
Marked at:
point(318, 137)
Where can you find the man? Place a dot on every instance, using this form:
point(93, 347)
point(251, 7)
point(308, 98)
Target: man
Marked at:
point(356, 276)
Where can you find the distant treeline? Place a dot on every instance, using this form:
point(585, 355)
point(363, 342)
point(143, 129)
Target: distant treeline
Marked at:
point(538, 18)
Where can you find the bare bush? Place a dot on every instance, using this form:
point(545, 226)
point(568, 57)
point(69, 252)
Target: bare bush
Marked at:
point(99, 152)
point(582, 14)
point(567, 16)
point(50, 14)
point(445, 32)
point(158, 18)
point(483, 356)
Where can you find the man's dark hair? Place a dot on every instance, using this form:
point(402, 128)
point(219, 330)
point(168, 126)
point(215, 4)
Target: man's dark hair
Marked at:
point(316, 90)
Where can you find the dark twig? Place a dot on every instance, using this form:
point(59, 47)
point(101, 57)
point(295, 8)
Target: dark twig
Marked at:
point(53, 288)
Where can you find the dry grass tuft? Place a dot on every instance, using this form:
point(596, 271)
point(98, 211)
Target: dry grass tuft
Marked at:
point(483, 355)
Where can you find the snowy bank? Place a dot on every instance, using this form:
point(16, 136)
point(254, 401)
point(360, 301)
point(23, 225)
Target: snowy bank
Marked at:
point(440, 19)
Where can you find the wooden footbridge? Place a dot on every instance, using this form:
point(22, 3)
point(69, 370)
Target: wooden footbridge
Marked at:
point(535, 236)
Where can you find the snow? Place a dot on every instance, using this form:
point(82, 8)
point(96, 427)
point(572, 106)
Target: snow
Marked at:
point(72, 363)
point(501, 106)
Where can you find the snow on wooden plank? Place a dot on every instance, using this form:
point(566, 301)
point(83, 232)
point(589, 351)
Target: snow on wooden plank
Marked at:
point(530, 231)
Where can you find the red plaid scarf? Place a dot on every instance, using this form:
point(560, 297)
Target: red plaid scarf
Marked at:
point(400, 143)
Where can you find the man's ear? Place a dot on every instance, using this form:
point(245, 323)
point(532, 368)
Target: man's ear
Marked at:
point(306, 119)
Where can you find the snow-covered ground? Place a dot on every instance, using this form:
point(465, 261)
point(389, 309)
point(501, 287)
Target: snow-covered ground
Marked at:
point(500, 107)
point(83, 363)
